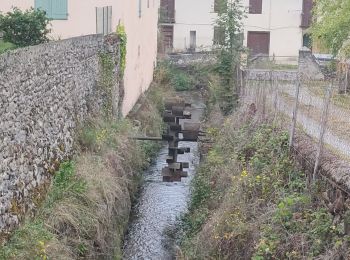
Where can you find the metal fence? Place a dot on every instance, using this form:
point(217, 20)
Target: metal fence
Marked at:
point(317, 108)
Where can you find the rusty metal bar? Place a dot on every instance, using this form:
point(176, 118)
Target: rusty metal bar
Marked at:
point(145, 138)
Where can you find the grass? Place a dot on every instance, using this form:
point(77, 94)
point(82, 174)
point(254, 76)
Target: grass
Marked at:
point(250, 201)
point(319, 89)
point(86, 210)
point(5, 46)
point(271, 65)
point(192, 77)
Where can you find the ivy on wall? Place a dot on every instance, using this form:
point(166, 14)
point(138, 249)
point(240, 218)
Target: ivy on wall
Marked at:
point(123, 41)
point(109, 61)
point(107, 81)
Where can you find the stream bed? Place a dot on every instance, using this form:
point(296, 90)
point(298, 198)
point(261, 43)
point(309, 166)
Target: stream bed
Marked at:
point(161, 204)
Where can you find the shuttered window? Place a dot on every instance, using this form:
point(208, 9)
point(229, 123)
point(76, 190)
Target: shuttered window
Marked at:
point(140, 8)
point(104, 20)
point(55, 9)
point(219, 35)
point(255, 6)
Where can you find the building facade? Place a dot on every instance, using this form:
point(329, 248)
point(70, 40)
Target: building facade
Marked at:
point(277, 28)
point(187, 25)
point(72, 18)
point(271, 27)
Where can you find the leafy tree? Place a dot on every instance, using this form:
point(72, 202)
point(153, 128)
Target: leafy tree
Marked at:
point(230, 48)
point(24, 28)
point(332, 25)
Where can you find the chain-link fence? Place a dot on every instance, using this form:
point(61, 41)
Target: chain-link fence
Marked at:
point(317, 108)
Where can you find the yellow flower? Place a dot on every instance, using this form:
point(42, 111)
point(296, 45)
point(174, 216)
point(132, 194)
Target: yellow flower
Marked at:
point(244, 173)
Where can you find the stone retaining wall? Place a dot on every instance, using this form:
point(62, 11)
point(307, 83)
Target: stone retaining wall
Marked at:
point(46, 91)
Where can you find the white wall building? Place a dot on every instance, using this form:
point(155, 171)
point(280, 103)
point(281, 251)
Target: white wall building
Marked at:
point(187, 25)
point(272, 27)
point(275, 27)
point(193, 27)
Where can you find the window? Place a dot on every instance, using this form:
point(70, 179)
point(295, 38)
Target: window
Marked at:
point(255, 6)
point(167, 11)
point(104, 20)
point(219, 35)
point(193, 40)
point(140, 8)
point(55, 9)
point(219, 6)
point(307, 40)
point(306, 18)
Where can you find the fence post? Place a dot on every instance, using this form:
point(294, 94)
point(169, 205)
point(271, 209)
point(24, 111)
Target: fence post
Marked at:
point(263, 93)
point(324, 120)
point(295, 114)
point(274, 89)
point(346, 80)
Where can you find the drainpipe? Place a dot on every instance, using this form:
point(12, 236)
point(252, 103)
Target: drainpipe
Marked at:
point(270, 15)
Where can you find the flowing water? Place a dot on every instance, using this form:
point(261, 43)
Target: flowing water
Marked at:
point(160, 204)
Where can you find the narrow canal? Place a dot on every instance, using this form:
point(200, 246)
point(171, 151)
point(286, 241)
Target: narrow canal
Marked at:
point(160, 204)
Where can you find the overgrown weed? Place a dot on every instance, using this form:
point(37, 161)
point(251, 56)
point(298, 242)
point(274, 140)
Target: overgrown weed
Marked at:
point(250, 201)
point(190, 77)
point(86, 209)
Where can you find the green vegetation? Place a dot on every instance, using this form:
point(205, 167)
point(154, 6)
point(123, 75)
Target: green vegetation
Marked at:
point(192, 77)
point(87, 206)
point(123, 41)
point(272, 65)
point(332, 27)
point(5, 46)
point(24, 28)
point(86, 209)
point(175, 77)
point(107, 82)
point(229, 50)
point(249, 201)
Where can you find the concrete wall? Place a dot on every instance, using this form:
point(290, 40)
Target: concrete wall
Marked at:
point(308, 67)
point(282, 19)
point(194, 15)
point(142, 35)
point(46, 92)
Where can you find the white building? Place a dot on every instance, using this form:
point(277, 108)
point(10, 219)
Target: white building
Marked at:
point(272, 27)
point(275, 27)
point(193, 28)
point(187, 25)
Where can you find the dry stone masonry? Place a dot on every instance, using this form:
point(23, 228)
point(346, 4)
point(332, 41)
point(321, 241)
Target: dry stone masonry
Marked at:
point(46, 91)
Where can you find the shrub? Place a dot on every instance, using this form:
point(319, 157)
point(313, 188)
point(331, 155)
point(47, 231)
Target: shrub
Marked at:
point(5, 46)
point(250, 201)
point(24, 28)
point(181, 81)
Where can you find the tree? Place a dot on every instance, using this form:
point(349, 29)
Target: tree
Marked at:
point(230, 48)
point(24, 28)
point(332, 25)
